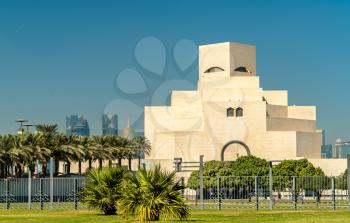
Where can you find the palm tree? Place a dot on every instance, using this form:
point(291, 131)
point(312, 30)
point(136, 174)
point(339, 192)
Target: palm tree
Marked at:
point(85, 144)
point(152, 194)
point(119, 148)
point(104, 151)
point(47, 128)
point(70, 150)
point(34, 144)
point(2, 156)
point(103, 189)
point(22, 155)
point(142, 147)
point(7, 157)
point(49, 141)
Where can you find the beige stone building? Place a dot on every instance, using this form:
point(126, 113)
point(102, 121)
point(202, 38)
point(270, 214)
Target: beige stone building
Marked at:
point(230, 115)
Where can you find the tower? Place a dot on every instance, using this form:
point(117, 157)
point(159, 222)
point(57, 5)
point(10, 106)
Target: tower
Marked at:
point(109, 124)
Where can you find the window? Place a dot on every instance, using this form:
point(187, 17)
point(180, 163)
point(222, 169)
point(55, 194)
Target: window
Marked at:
point(239, 112)
point(230, 112)
point(242, 69)
point(214, 69)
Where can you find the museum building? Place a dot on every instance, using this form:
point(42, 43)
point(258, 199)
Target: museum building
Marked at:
point(230, 115)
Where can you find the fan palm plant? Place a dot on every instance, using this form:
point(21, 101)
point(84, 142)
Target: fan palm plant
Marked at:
point(150, 194)
point(103, 189)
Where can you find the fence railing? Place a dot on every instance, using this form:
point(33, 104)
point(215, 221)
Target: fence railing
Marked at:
point(226, 192)
point(254, 192)
point(41, 193)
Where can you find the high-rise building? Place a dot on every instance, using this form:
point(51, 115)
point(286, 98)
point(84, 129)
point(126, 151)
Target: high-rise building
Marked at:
point(326, 149)
point(109, 124)
point(341, 149)
point(78, 125)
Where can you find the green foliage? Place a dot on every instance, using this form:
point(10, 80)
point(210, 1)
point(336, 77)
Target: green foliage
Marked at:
point(305, 172)
point(151, 194)
point(250, 166)
point(300, 167)
point(341, 181)
point(243, 166)
point(103, 189)
point(26, 150)
point(254, 166)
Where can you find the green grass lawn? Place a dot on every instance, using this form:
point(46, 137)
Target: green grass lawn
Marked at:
point(197, 216)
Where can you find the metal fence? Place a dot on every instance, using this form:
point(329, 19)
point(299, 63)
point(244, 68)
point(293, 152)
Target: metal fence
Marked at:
point(41, 193)
point(253, 192)
point(229, 192)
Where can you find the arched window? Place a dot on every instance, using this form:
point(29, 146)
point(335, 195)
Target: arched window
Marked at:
point(214, 69)
point(242, 69)
point(239, 112)
point(230, 112)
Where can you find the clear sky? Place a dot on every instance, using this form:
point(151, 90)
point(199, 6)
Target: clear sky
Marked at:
point(65, 57)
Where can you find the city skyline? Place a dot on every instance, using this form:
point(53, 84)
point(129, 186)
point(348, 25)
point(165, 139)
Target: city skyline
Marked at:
point(61, 58)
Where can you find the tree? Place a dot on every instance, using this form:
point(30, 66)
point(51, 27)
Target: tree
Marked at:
point(34, 144)
point(141, 146)
point(342, 182)
point(103, 189)
point(238, 172)
point(118, 147)
point(104, 152)
point(69, 148)
point(308, 177)
point(84, 144)
point(49, 141)
point(150, 194)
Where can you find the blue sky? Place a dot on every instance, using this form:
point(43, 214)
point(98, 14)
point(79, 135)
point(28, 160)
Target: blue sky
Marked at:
point(63, 57)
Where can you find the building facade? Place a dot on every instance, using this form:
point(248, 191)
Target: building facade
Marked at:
point(341, 149)
point(109, 124)
point(78, 125)
point(230, 115)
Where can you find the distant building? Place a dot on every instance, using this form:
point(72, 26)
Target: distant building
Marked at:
point(109, 124)
point(78, 125)
point(128, 132)
point(322, 132)
point(341, 149)
point(326, 150)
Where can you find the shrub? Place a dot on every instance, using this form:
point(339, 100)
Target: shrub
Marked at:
point(150, 194)
point(103, 189)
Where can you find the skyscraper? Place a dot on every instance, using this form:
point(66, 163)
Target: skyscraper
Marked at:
point(109, 124)
point(78, 125)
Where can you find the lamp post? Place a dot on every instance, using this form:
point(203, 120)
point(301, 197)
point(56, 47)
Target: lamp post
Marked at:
point(271, 181)
point(21, 121)
point(28, 126)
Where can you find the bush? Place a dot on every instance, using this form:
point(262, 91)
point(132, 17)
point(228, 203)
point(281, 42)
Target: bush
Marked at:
point(243, 166)
point(151, 194)
point(103, 189)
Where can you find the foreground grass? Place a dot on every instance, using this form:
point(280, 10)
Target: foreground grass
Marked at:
point(196, 216)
